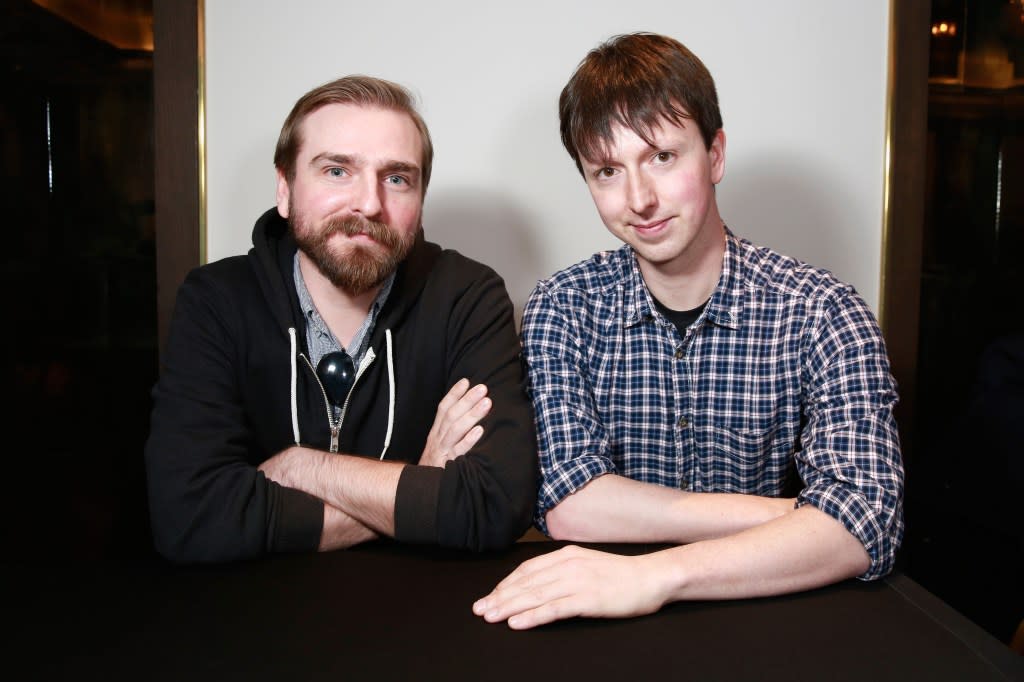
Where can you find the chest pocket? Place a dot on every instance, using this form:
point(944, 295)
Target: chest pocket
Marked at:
point(751, 462)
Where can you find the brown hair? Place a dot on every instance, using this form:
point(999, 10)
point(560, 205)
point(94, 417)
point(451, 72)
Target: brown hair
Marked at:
point(635, 80)
point(360, 90)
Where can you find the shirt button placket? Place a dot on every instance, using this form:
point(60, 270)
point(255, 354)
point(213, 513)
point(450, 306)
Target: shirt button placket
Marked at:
point(681, 421)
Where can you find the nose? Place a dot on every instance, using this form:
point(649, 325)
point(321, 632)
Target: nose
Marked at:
point(367, 200)
point(640, 193)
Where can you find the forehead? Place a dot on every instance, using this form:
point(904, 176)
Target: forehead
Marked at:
point(623, 140)
point(371, 132)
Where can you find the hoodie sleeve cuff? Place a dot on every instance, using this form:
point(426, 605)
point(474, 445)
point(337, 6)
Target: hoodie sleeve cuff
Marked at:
point(299, 524)
point(416, 504)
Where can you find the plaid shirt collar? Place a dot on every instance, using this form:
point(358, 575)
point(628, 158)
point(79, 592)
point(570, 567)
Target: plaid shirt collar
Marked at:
point(726, 307)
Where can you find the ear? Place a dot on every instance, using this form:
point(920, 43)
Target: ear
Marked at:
point(283, 194)
point(717, 156)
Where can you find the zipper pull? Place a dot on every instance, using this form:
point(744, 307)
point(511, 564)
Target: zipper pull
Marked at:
point(334, 437)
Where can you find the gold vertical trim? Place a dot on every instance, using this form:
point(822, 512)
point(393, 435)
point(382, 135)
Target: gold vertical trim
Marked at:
point(890, 121)
point(201, 129)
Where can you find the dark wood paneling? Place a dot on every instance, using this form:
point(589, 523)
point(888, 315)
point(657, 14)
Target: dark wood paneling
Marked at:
point(176, 73)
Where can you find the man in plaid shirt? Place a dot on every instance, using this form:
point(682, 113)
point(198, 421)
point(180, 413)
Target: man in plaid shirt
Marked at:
point(685, 383)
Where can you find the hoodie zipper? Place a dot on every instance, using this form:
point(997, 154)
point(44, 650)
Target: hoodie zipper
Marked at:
point(336, 425)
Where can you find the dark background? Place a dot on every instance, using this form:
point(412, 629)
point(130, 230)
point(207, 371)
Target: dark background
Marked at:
point(965, 490)
point(78, 286)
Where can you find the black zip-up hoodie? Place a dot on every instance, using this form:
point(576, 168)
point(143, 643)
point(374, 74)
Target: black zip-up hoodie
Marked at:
point(224, 404)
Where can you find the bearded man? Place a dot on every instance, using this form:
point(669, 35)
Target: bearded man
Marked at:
point(346, 380)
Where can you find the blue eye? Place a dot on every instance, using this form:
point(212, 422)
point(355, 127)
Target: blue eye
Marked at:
point(336, 172)
point(396, 180)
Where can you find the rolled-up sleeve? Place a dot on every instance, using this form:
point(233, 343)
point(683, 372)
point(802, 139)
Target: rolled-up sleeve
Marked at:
point(850, 453)
point(572, 441)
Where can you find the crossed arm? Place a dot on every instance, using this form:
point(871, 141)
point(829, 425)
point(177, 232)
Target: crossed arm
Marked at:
point(213, 424)
point(359, 493)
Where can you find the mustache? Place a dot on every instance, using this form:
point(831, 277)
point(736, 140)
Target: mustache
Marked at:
point(353, 225)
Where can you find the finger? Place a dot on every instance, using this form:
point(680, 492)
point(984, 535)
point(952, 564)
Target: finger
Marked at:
point(469, 400)
point(544, 562)
point(453, 395)
point(511, 582)
point(548, 612)
point(452, 410)
point(473, 414)
point(525, 597)
point(532, 573)
point(467, 443)
point(460, 428)
point(522, 573)
point(448, 402)
point(463, 415)
point(482, 408)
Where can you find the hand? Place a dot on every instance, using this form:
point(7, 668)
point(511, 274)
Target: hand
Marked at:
point(456, 427)
point(573, 582)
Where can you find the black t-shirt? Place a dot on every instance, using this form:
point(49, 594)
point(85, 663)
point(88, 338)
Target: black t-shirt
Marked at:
point(680, 318)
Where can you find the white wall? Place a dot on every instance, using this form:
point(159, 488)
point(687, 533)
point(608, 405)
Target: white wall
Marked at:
point(802, 86)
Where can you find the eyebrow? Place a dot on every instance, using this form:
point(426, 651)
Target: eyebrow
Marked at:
point(401, 167)
point(359, 160)
point(604, 159)
point(342, 159)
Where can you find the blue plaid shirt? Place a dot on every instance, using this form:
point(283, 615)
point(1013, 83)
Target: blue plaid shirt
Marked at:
point(786, 366)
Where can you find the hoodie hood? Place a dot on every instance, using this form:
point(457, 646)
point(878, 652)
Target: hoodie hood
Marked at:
point(273, 250)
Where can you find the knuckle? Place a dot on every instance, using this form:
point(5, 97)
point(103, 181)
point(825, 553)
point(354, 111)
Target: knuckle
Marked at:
point(555, 610)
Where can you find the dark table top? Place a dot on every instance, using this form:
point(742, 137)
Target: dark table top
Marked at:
point(387, 612)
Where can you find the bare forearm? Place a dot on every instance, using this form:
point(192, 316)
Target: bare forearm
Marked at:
point(613, 508)
point(798, 551)
point(341, 530)
point(363, 489)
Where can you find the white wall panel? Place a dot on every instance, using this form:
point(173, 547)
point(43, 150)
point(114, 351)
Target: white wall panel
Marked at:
point(802, 85)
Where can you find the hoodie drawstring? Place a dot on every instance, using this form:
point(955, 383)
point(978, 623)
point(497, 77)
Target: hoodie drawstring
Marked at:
point(391, 395)
point(295, 379)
